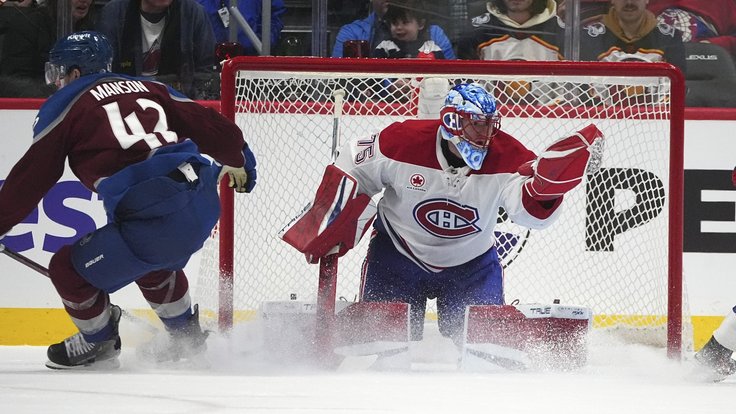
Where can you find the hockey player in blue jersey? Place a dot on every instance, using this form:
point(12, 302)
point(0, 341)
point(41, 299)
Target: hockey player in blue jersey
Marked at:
point(139, 144)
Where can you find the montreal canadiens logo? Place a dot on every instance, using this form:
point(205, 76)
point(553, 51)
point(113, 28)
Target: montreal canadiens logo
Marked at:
point(417, 180)
point(446, 218)
point(451, 121)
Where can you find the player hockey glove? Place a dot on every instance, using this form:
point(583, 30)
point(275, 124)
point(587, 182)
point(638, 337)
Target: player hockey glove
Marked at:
point(242, 179)
point(560, 167)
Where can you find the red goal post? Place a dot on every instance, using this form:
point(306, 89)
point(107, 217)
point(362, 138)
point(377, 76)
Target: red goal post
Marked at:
point(617, 248)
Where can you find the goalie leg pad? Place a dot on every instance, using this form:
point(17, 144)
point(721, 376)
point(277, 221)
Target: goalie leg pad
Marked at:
point(338, 216)
point(367, 328)
point(527, 336)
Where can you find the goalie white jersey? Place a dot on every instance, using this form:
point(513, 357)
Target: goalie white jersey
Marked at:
point(436, 215)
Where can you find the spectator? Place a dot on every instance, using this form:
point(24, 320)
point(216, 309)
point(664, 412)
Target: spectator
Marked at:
point(712, 21)
point(252, 10)
point(518, 30)
point(409, 39)
point(83, 14)
point(515, 30)
point(26, 36)
point(171, 40)
point(30, 31)
point(630, 32)
point(409, 34)
point(375, 30)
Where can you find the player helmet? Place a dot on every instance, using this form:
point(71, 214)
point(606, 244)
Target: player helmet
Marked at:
point(469, 121)
point(90, 52)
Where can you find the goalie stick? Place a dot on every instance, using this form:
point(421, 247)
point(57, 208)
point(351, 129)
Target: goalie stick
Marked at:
point(44, 271)
point(327, 284)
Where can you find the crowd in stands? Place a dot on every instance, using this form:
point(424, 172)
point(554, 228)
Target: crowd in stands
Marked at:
point(175, 40)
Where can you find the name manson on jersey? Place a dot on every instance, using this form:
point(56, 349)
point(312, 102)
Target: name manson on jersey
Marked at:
point(105, 90)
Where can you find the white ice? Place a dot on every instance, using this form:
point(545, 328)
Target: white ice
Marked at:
point(618, 379)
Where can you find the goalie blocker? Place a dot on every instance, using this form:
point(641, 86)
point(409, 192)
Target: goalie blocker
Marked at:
point(335, 221)
point(524, 336)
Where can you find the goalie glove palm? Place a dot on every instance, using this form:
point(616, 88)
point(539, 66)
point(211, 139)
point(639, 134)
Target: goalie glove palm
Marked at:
point(561, 167)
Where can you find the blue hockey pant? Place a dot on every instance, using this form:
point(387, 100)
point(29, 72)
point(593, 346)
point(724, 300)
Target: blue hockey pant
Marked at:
point(158, 225)
point(389, 276)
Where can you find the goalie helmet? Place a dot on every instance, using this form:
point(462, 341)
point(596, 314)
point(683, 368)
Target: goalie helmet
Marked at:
point(469, 121)
point(90, 52)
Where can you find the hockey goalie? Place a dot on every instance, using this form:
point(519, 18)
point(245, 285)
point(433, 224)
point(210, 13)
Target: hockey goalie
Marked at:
point(443, 182)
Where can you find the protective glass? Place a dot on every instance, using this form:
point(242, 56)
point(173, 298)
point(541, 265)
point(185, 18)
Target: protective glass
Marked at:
point(54, 73)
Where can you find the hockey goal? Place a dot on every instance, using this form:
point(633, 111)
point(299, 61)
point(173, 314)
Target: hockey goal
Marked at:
point(617, 248)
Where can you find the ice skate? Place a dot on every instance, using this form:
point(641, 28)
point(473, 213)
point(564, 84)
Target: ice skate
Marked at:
point(714, 362)
point(76, 353)
point(187, 344)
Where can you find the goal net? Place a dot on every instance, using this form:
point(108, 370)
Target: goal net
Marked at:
point(617, 247)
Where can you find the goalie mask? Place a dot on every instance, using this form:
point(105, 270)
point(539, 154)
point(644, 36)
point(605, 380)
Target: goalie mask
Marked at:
point(89, 52)
point(469, 121)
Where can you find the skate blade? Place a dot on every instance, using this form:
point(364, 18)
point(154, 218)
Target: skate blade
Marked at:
point(104, 365)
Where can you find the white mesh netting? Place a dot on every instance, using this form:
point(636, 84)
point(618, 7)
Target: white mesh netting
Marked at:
point(608, 251)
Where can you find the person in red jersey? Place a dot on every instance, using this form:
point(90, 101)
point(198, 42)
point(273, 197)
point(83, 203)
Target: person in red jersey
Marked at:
point(139, 144)
point(712, 21)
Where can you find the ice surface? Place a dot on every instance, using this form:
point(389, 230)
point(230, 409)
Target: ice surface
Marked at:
point(620, 378)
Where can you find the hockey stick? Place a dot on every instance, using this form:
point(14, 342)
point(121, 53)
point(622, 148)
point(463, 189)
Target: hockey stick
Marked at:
point(44, 271)
point(327, 285)
point(339, 95)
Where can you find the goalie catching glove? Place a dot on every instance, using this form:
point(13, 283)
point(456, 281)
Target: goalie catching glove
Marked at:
point(338, 217)
point(242, 179)
point(561, 167)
